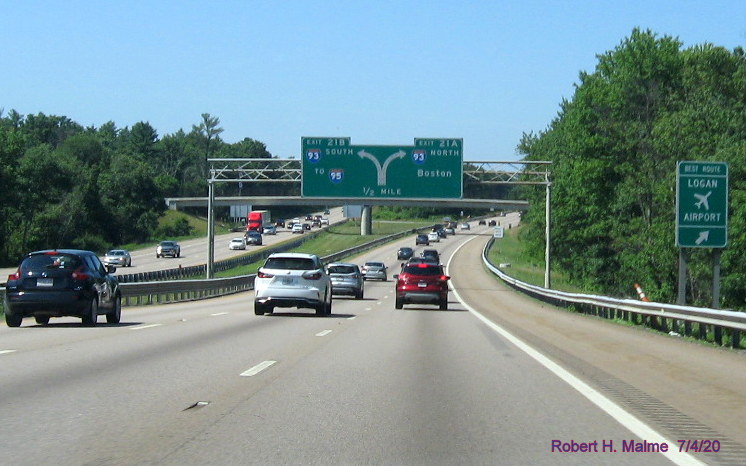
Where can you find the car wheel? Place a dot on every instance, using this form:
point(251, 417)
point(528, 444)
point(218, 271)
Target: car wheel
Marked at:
point(443, 304)
point(399, 303)
point(115, 315)
point(258, 308)
point(328, 310)
point(157, 256)
point(41, 320)
point(12, 320)
point(320, 309)
point(359, 295)
point(178, 254)
point(91, 314)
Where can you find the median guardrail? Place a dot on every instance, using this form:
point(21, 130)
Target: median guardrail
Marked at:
point(669, 318)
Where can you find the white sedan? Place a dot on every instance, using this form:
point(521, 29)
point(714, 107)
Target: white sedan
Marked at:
point(433, 237)
point(237, 243)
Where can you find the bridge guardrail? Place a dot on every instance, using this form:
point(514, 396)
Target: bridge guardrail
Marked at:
point(660, 316)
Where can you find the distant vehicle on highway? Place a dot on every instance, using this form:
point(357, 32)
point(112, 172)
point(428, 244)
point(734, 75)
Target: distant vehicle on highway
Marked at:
point(465, 226)
point(347, 279)
point(433, 237)
point(297, 228)
point(168, 248)
point(374, 271)
point(431, 254)
point(404, 253)
point(422, 239)
point(254, 237)
point(237, 243)
point(270, 230)
point(62, 282)
point(118, 258)
point(492, 223)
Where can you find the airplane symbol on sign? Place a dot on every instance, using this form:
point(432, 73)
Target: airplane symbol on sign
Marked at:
point(703, 199)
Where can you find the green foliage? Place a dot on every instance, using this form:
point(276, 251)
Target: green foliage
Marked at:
point(614, 146)
point(179, 227)
point(68, 186)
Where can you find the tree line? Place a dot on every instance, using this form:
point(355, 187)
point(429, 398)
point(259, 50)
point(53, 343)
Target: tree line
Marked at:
point(65, 185)
point(615, 144)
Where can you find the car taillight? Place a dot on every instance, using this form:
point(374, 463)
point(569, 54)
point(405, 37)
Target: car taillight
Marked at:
point(444, 278)
point(78, 274)
point(312, 275)
point(15, 276)
point(261, 274)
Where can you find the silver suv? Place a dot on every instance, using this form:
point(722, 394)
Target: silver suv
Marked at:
point(291, 279)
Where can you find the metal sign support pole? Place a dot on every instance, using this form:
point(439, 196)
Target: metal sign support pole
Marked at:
point(716, 278)
point(210, 227)
point(681, 297)
point(547, 262)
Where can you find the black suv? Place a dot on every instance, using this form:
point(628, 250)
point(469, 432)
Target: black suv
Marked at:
point(62, 282)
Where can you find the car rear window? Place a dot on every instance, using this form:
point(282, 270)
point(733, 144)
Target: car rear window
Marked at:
point(51, 261)
point(342, 269)
point(290, 263)
point(422, 271)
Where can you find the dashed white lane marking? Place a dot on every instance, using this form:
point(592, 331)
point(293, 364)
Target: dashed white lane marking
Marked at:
point(632, 423)
point(352, 318)
point(145, 326)
point(324, 333)
point(219, 314)
point(6, 351)
point(257, 369)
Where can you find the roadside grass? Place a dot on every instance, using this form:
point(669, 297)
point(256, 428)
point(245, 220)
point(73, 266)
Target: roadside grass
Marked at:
point(170, 217)
point(510, 250)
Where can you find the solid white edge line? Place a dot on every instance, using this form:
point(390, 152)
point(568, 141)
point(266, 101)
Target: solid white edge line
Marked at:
point(257, 369)
point(324, 333)
point(626, 419)
point(145, 326)
point(7, 351)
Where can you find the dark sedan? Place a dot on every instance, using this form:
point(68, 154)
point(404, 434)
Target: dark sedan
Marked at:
point(404, 253)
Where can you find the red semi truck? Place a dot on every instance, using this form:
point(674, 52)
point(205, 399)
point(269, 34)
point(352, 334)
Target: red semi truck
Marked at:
point(257, 219)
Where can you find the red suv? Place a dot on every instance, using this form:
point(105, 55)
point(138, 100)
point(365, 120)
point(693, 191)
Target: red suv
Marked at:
point(422, 284)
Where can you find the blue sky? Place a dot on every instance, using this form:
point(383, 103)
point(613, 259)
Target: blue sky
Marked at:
point(381, 72)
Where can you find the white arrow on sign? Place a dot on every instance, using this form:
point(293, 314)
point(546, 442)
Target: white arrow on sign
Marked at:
point(703, 236)
point(381, 169)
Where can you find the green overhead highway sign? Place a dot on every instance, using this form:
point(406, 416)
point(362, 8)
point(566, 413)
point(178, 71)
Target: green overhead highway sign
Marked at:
point(333, 167)
point(702, 204)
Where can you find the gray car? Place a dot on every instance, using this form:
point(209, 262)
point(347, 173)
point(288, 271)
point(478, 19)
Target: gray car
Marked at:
point(347, 279)
point(168, 248)
point(374, 271)
point(118, 258)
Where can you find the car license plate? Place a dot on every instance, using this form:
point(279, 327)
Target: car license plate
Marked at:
point(422, 284)
point(288, 280)
point(44, 282)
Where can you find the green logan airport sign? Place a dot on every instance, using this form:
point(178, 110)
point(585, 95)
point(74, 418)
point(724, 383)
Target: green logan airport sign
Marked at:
point(702, 204)
point(333, 167)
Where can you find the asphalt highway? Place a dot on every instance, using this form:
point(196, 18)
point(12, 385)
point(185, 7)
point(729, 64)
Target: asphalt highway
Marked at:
point(495, 379)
